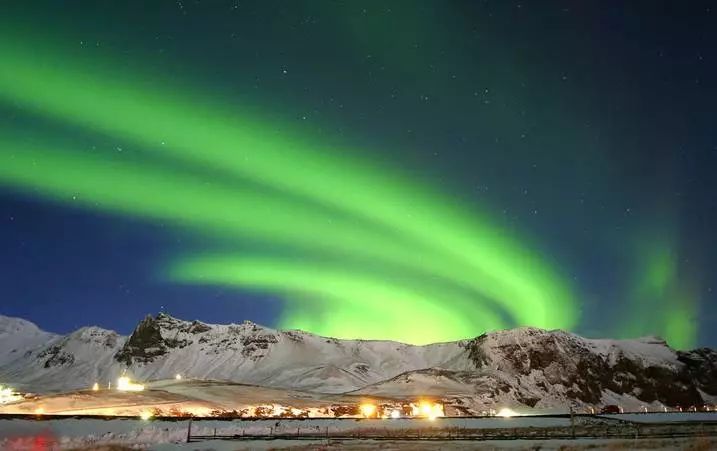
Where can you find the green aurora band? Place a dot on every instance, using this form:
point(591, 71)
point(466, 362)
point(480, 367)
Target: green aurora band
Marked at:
point(285, 190)
point(360, 296)
point(661, 300)
point(115, 185)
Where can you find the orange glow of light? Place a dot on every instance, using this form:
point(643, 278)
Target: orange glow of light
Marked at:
point(428, 410)
point(368, 410)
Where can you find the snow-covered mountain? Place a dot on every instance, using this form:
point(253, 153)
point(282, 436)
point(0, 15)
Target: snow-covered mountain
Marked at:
point(526, 366)
point(18, 336)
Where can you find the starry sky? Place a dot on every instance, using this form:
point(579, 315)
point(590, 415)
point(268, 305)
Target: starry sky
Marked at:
point(409, 170)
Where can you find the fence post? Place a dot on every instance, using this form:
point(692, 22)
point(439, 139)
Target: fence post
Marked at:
point(189, 430)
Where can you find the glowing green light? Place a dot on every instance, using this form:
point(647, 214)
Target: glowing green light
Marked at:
point(661, 301)
point(356, 305)
point(378, 215)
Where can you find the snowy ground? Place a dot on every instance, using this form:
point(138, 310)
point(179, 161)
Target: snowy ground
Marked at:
point(51, 434)
point(670, 417)
point(700, 444)
point(197, 397)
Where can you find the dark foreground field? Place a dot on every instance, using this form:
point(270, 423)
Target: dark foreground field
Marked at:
point(632, 431)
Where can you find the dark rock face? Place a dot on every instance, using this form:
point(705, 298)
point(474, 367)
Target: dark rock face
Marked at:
point(564, 360)
point(701, 366)
point(144, 344)
point(56, 357)
point(475, 351)
point(652, 383)
point(155, 337)
point(254, 345)
point(293, 336)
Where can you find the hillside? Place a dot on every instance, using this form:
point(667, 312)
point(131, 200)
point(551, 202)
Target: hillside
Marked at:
point(526, 367)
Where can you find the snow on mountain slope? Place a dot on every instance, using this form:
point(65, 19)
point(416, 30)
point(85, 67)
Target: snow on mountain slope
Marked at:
point(254, 354)
point(541, 367)
point(164, 346)
point(524, 366)
point(18, 336)
point(431, 382)
point(77, 360)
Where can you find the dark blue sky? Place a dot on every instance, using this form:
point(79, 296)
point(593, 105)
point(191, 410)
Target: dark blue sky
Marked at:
point(586, 126)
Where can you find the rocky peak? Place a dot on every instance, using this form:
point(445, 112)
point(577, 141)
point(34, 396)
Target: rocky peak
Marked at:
point(169, 324)
point(145, 343)
point(156, 336)
point(167, 321)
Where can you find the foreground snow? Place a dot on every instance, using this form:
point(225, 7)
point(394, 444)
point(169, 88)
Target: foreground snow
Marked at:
point(699, 444)
point(17, 434)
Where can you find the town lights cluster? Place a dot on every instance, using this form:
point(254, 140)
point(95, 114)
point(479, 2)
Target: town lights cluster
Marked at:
point(422, 409)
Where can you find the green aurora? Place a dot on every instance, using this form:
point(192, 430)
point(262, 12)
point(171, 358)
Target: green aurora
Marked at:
point(381, 255)
point(320, 200)
point(661, 298)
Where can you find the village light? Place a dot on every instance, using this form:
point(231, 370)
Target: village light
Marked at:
point(145, 415)
point(428, 410)
point(506, 413)
point(395, 414)
point(178, 377)
point(95, 387)
point(368, 410)
point(125, 384)
point(7, 395)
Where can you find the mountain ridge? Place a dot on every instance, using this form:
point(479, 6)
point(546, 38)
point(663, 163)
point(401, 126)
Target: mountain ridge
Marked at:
point(523, 367)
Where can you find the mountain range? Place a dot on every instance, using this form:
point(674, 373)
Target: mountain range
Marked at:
point(522, 367)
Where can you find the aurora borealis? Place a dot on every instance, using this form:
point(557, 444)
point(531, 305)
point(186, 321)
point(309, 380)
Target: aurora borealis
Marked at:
point(332, 221)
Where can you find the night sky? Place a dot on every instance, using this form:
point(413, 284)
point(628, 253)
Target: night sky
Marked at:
point(409, 170)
